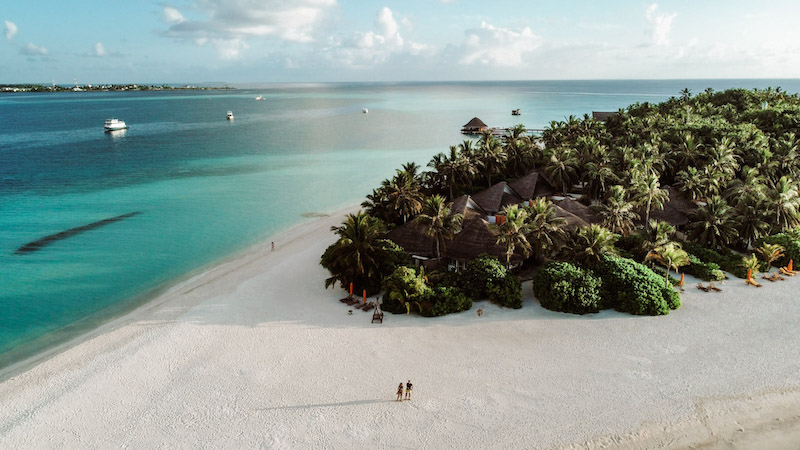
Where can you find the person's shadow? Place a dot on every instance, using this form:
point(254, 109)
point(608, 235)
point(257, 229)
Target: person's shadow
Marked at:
point(326, 405)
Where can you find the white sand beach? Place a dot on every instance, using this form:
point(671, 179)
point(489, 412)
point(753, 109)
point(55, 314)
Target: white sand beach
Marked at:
point(256, 353)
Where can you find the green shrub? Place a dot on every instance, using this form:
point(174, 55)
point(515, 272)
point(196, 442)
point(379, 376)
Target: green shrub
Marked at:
point(506, 291)
point(790, 241)
point(703, 271)
point(404, 286)
point(562, 286)
point(632, 287)
point(726, 259)
point(480, 275)
point(445, 300)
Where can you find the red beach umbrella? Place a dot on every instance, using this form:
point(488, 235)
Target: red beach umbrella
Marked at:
point(365, 296)
point(351, 288)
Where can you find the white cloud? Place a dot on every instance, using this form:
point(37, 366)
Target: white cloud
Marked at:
point(172, 16)
point(33, 50)
point(660, 23)
point(489, 45)
point(10, 30)
point(99, 50)
point(366, 49)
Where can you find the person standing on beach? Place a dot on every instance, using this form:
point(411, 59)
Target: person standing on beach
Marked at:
point(408, 390)
point(400, 392)
point(273, 246)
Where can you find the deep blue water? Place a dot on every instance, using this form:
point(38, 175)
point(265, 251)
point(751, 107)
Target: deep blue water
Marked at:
point(207, 187)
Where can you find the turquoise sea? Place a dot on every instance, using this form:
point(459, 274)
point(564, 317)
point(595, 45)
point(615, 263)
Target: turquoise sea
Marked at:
point(205, 187)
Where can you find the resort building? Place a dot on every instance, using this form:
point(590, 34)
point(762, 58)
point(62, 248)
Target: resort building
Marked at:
point(474, 126)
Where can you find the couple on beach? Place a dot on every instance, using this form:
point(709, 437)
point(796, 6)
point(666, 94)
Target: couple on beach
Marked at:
point(400, 391)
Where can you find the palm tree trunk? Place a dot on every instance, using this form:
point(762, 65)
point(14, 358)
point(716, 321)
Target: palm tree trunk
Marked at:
point(647, 217)
point(666, 278)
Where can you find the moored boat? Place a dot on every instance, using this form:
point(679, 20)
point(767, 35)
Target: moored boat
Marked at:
point(230, 115)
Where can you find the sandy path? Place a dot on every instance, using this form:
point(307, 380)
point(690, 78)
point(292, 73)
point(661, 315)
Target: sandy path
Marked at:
point(256, 353)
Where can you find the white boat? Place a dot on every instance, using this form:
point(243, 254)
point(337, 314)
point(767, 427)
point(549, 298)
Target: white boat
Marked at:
point(259, 98)
point(364, 110)
point(114, 124)
point(230, 115)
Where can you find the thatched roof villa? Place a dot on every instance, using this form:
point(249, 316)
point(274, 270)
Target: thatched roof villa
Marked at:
point(474, 126)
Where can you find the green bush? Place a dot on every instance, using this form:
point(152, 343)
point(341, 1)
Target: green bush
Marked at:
point(445, 300)
point(480, 275)
point(726, 259)
point(562, 286)
point(632, 287)
point(506, 291)
point(404, 286)
point(790, 241)
point(703, 271)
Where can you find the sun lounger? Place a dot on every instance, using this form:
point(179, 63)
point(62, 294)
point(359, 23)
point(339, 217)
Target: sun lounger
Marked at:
point(369, 307)
point(752, 282)
point(377, 316)
point(714, 288)
point(787, 272)
point(703, 288)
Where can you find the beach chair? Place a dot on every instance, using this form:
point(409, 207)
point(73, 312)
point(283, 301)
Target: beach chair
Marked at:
point(714, 288)
point(369, 307)
point(377, 316)
point(787, 272)
point(703, 288)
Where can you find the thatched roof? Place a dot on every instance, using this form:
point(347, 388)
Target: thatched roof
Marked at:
point(464, 203)
point(670, 215)
point(412, 238)
point(544, 187)
point(602, 115)
point(491, 199)
point(475, 239)
point(579, 209)
point(475, 123)
point(573, 221)
point(525, 186)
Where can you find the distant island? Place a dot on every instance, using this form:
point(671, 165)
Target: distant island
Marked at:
point(10, 88)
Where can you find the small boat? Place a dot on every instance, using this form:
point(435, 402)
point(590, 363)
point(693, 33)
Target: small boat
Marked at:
point(259, 98)
point(114, 124)
point(515, 112)
point(230, 115)
point(364, 110)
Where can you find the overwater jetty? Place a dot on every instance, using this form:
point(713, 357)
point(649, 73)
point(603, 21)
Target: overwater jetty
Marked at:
point(37, 245)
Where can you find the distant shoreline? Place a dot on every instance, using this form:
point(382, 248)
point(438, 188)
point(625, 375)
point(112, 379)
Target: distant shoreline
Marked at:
point(16, 88)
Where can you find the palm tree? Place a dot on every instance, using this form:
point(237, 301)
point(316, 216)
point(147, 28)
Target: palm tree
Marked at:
point(562, 167)
point(785, 202)
point(512, 232)
point(403, 195)
point(713, 224)
point(599, 174)
point(657, 234)
point(670, 256)
point(591, 242)
point(491, 156)
point(690, 182)
point(770, 253)
point(617, 213)
point(650, 195)
point(355, 256)
point(438, 222)
point(546, 230)
point(751, 219)
point(451, 170)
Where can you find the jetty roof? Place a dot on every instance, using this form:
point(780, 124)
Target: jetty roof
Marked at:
point(475, 123)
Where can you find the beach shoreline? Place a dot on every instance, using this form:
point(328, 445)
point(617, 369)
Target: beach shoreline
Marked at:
point(255, 352)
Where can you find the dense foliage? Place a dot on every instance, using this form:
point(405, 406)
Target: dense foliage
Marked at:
point(480, 275)
point(632, 287)
point(445, 300)
point(790, 242)
point(565, 287)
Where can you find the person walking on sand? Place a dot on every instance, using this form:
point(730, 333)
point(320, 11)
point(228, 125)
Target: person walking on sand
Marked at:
point(273, 246)
point(400, 392)
point(408, 390)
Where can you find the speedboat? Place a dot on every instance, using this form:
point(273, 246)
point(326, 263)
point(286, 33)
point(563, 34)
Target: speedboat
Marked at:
point(364, 110)
point(259, 98)
point(230, 115)
point(114, 124)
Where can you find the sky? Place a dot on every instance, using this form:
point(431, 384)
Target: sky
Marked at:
point(251, 41)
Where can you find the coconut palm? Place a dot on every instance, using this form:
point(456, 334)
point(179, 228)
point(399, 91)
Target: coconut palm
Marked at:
point(770, 253)
point(403, 195)
point(650, 195)
point(617, 213)
point(785, 203)
point(751, 219)
point(561, 167)
point(590, 243)
point(512, 231)
point(657, 234)
point(546, 231)
point(671, 256)
point(438, 222)
point(752, 264)
point(691, 183)
point(713, 224)
point(356, 255)
point(451, 170)
point(490, 155)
